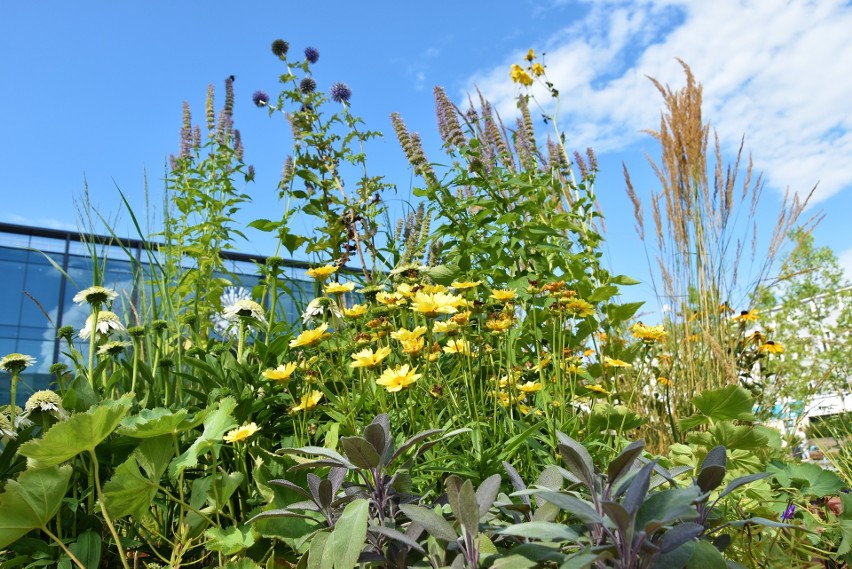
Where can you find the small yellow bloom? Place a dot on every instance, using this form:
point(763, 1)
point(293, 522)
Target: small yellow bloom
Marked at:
point(530, 55)
point(648, 333)
point(403, 334)
point(542, 363)
point(321, 273)
point(445, 327)
point(537, 69)
point(598, 388)
point(337, 288)
point(746, 316)
point(458, 347)
point(307, 401)
point(588, 352)
point(530, 387)
point(413, 346)
point(406, 290)
point(500, 324)
point(281, 373)
point(433, 288)
point(390, 298)
point(771, 347)
point(355, 311)
point(432, 305)
point(526, 410)
point(311, 337)
point(611, 362)
point(396, 379)
point(578, 307)
point(461, 285)
point(503, 295)
point(461, 318)
point(664, 381)
point(241, 433)
point(368, 358)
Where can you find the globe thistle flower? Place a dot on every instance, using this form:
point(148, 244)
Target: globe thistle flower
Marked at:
point(312, 54)
point(260, 98)
point(340, 93)
point(280, 47)
point(245, 307)
point(107, 323)
point(307, 85)
point(16, 363)
point(95, 296)
point(46, 401)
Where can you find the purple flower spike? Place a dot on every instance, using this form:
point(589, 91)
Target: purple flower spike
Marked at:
point(788, 513)
point(340, 93)
point(311, 54)
point(260, 98)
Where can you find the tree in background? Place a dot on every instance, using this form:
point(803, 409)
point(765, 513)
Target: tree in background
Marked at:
point(808, 310)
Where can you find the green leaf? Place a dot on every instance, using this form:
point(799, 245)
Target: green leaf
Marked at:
point(732, 437)
point(602, 293)
point(130, 492)
point(728, 403)
point(87, 549)
point(350, 531)
point(846, 537)
point(662, 508)
point(809, 479)
point(360, 452)
point(541, 530)
point(624, 280)
point(160, 421)
point(264, 224)
point(81, 432)
point(229, 541)
point(216, 424)
point(705, 556)
point(31, 501)
point(444, 274)
point(431, 521)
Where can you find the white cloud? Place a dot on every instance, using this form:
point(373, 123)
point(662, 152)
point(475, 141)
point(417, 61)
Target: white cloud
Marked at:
point(776, 74)
point(47, 223)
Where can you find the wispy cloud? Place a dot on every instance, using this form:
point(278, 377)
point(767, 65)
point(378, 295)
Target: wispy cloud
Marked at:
point(45, 222)
point(776, 74)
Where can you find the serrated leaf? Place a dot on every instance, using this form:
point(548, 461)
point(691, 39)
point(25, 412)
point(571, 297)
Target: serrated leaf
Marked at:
point(231, 540)
point(151, 423)
point(80, 433)
point(31, 501)
point(809, 479)
point(216, 424)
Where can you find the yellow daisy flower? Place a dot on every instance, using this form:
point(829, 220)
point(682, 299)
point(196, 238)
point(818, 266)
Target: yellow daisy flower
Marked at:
point(612, 362)
point(390, 299)
point(530, 55)
point(503, 295)
point(369, 358)
point(461, 318)
point(434, 304)
point(413, 346)
point(664, 381)
point(321, 273)
point(241, 433)
point(458, 347)
point(311, 337)
point(648, 333)
point(520, 76)
point(542, 363)
point(461, 285)
point(578, 307)
point(355, 311)
point(771, 347)
point(448, 327)
point(404, 334)
point(499, 324)
point(337, 288)
point(281, 373)
point(307, 401)
point(396, 379)
point(537, 69)
point(530, 387)
point(433, 288)
point(746, 316)
point(598, 389)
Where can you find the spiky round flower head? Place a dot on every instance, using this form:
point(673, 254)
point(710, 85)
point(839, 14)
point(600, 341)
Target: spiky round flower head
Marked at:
point(65, 333)
point(107, 322)
point(307, 85)
point(113, 348)
point(45, 400)
point(58, 368)
point(312, 54)
point(95, 296)
point(280, 47)
point(245, 307)
point(16, 363)
point(260, 98)
point(340, 93)
point(274, 262)
point(160, 325)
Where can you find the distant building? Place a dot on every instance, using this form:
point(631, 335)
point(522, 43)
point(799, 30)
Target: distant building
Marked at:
point(36, 299)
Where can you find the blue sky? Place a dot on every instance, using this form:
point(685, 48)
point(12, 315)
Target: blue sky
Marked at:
point(94, 90)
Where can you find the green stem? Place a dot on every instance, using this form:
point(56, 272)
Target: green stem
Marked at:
point(64, 548)
point(107, 519)
point(13, 396)
point(92, 341)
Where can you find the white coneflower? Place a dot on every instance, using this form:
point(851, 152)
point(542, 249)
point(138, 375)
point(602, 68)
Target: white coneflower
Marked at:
point(319, 307)
point(16, 363)
point(245, 307)
point(107, 322)
point(95, 296)
point(6, 429)
point(47, 401)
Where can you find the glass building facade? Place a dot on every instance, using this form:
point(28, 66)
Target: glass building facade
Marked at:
point(36, 298)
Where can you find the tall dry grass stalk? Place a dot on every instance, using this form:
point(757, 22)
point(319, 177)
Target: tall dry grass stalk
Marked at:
point(702, 228)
